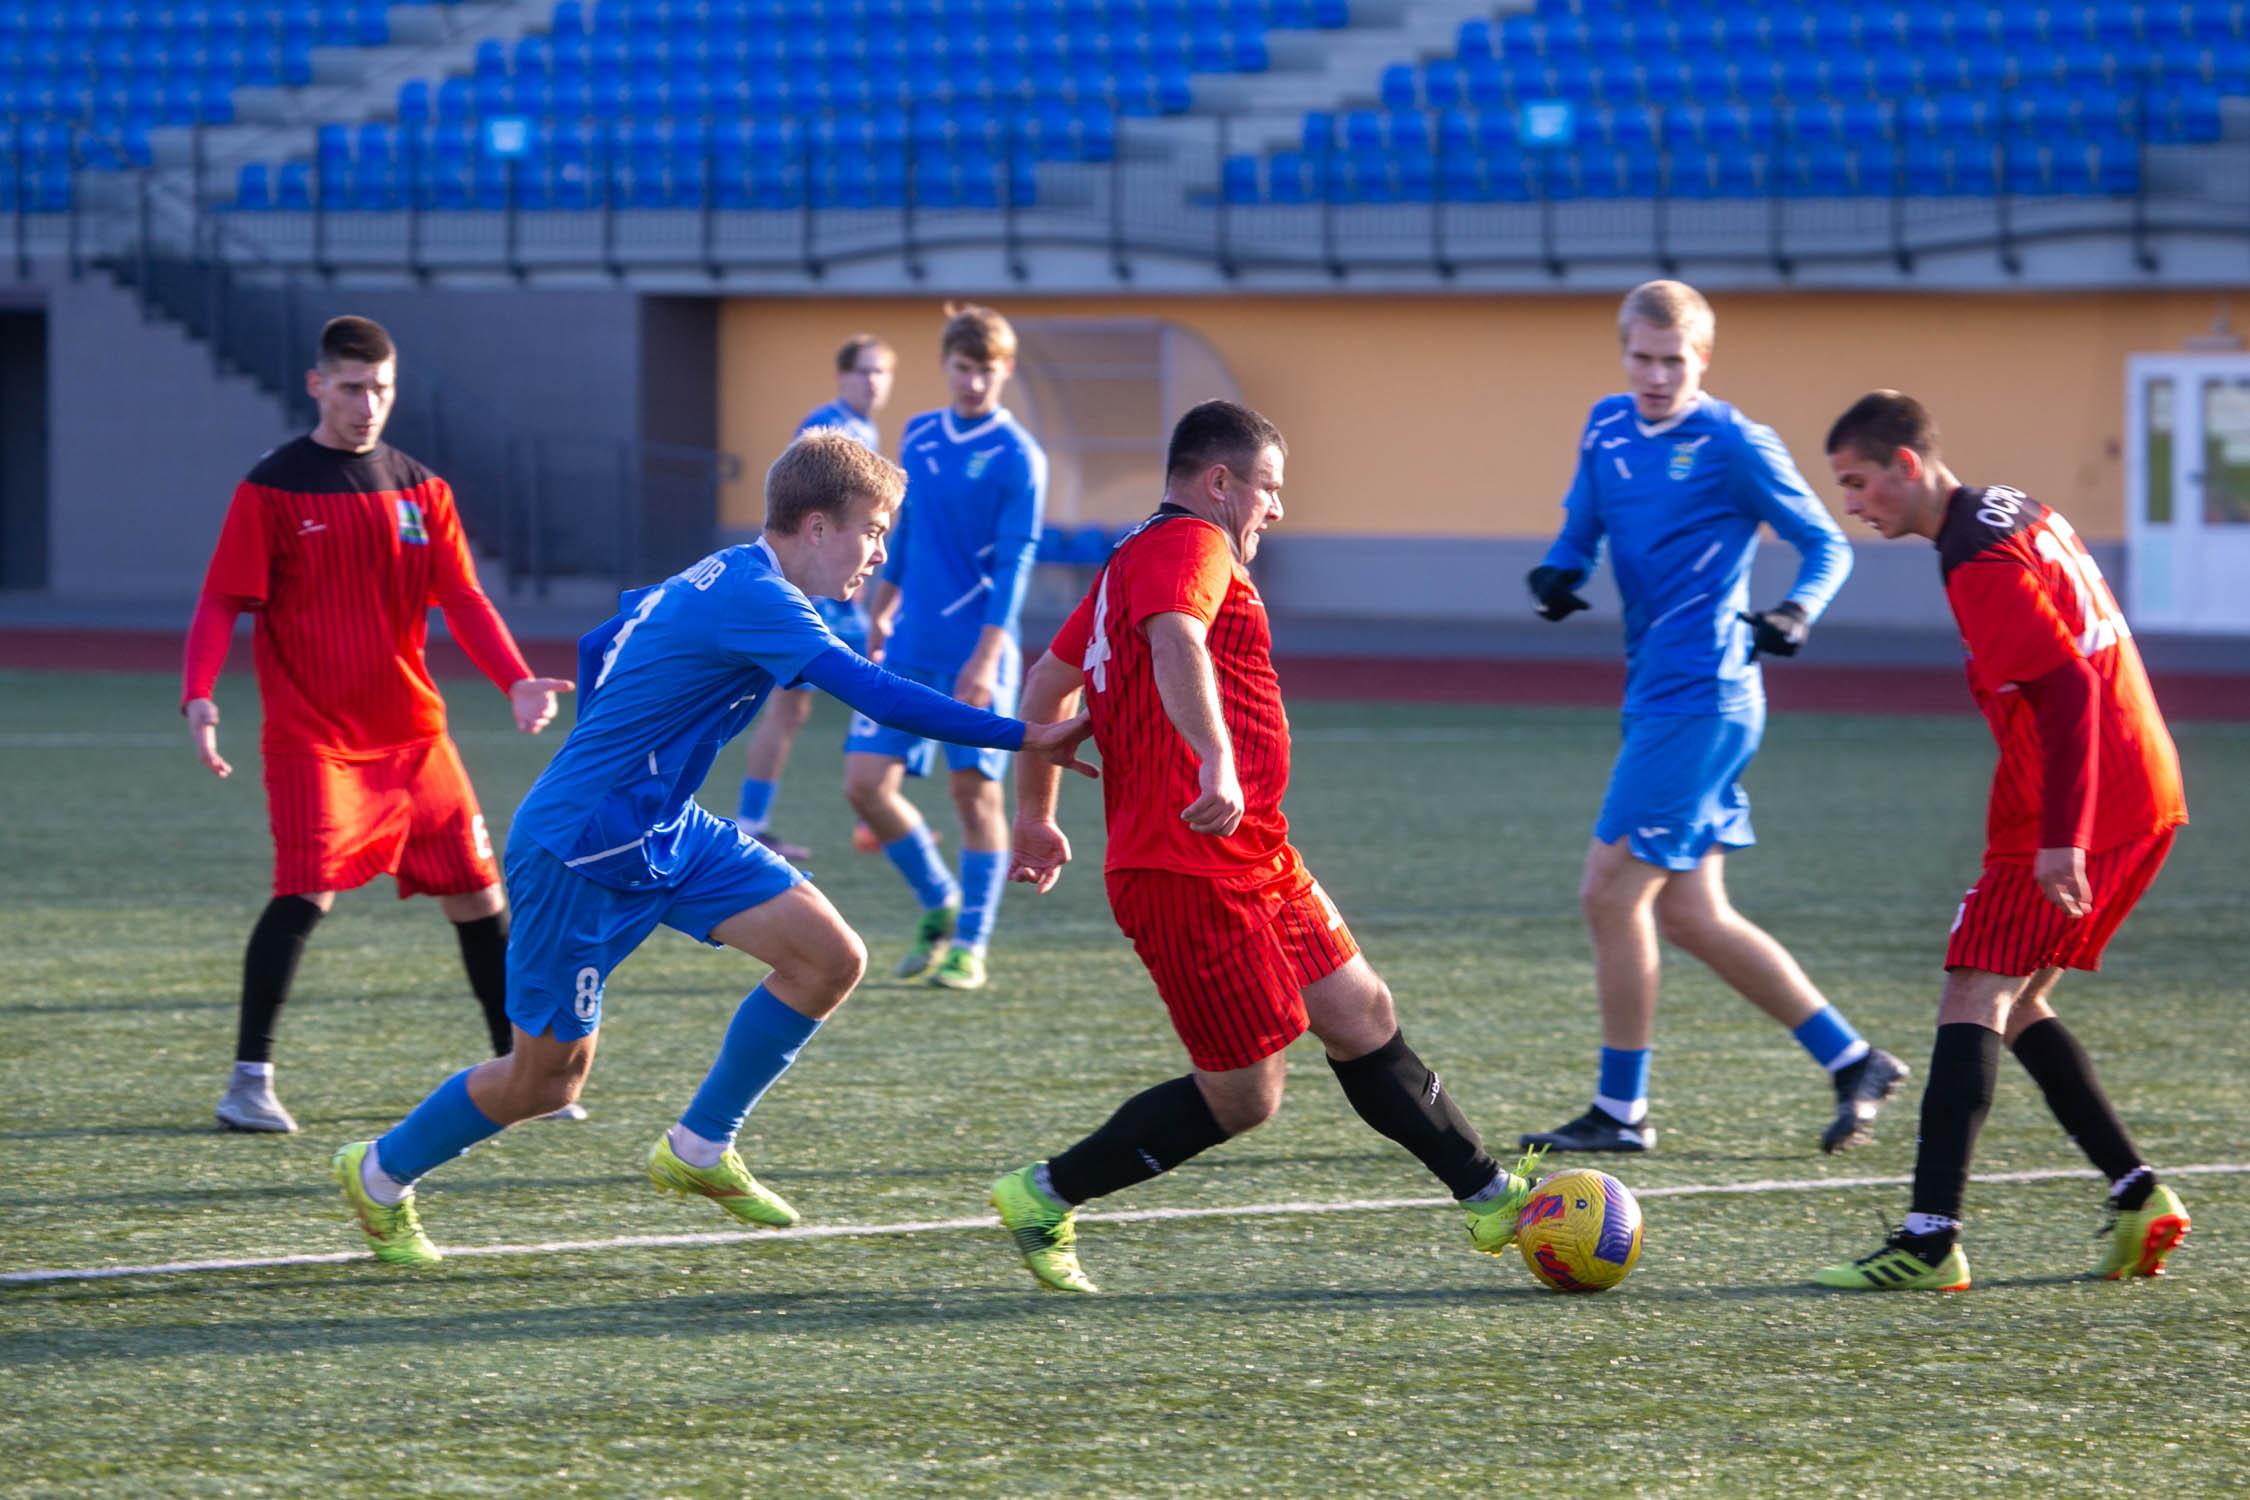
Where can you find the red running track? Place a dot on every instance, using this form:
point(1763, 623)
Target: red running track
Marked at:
point(1803, 686)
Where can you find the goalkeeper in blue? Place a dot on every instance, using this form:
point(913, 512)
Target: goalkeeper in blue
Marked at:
point(1677, 482)
point(945, 615)
point(610, 843)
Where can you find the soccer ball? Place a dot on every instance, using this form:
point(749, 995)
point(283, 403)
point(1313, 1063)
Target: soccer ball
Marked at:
point(1581, 1231)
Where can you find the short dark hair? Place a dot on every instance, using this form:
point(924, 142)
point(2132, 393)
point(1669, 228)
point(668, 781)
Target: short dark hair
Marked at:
point(1880, 423)
point(977, 334)
point(847, 357)
point(826, 471)
point(1218, 432)
point(349, 338)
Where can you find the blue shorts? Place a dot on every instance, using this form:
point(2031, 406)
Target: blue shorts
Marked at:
point(844, 621)
point(1674, 790)
point(566, 933)
point(870, 738)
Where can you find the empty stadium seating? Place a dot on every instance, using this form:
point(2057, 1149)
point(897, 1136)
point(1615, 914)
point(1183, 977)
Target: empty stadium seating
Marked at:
point(1737, 98)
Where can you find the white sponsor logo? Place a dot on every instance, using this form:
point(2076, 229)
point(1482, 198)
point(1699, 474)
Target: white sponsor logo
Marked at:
point(1653, 833)
point(309, 526)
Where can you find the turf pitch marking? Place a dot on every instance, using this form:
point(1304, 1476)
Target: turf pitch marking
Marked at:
point(945, 1226)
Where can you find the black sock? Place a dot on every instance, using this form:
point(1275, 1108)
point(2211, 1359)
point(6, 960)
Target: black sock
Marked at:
point(484, 953)
point(1152, 1132)
point(2065, 1074)
point(269, 966)
point(1402, 1099)
point(1964, 1070)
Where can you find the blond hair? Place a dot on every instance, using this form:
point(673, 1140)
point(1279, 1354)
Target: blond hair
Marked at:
point(825, 471)
point(1669, 304)
point(976, 333)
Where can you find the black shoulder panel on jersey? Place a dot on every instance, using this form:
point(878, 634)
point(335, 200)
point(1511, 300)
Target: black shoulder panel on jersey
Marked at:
point(304, 467)
point(1978, 518)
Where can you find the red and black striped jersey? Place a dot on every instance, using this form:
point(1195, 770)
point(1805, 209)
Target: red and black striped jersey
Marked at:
point(2029, 600)
point(342, 556)
point(1175, 561)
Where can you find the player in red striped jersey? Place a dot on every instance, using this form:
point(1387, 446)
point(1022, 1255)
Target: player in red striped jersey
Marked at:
point(340, 545)
point(2084, 805)
point(1171, 650)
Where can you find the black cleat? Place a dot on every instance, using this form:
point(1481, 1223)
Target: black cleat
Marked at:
point(1861, 1092)
point(1595, 1130)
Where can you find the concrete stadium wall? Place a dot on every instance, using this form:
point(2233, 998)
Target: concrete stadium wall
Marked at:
point(1450, 417)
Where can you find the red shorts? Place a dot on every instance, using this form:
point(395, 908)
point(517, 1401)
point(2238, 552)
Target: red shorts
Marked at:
point(339, 821)
point(2006, 924)
point(1231, 956)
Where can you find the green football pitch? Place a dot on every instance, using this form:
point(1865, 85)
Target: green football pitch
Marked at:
point(1341, 1341)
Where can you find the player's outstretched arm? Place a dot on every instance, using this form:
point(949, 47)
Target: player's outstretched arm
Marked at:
point(1038, 849)
point(533, 700)
point(1189, 691)
point(887, 698)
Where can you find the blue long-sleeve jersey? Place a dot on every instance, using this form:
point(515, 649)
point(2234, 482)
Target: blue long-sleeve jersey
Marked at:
point(962, 551)
point(861, 430)
point(680, 670)
point(1679, 503)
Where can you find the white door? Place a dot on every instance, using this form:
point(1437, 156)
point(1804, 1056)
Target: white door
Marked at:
point(2187, 467)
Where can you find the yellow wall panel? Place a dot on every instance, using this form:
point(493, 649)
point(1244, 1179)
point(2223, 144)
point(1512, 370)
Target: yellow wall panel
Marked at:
point(1438, 416)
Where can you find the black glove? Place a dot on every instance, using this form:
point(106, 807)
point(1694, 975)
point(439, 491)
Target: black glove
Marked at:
point(1551, 589)
point(1778, 631)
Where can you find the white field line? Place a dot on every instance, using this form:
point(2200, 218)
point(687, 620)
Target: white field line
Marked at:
point(945, 1226)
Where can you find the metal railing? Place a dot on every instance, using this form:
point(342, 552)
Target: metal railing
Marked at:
point(1160, 195)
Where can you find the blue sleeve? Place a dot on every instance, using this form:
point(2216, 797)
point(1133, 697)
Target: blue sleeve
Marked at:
point(1779, 496)
point(1580, 544)
point(772, 626)
point(813, 419)
point(886, 698)
point(1015, 543)
point(894, 544)
point(592, 647)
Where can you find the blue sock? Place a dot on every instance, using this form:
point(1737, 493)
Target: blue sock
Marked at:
point(1830, 1039)
point(756, 803)
point(915, 856)
point(983, 877)
point(440, 1128)
point(1623, 1091)
point(761, 1042)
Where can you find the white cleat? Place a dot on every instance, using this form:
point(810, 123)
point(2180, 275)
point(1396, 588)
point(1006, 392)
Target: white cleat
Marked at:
point(567, 1112)
point(249, 1104)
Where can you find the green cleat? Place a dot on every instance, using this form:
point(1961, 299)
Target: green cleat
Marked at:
point(1043, 1231)
point(394, 1231)
point(2139, 1241)
point(960, 969)
point(729, 1184)
point(936, 927)
point(1897, 1268)
point(1492, 1223)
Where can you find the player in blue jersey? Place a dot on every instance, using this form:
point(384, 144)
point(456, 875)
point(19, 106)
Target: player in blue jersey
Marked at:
point(945, 615)
point(1677, 482)
point(610, 843)
point(864, 367)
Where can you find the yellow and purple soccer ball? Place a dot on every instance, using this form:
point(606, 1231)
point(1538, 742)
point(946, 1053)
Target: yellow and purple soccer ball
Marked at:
point(1581, 1231)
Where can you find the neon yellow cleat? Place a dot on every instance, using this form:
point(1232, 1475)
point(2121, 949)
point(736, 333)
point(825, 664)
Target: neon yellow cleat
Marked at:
point(394, 1232)
point(1492, 1223)
point(1896, 1268)
point(960, 969)
point(2139, 1241)
point(936, 927)
point(1043, 1231)
point(729, 1184)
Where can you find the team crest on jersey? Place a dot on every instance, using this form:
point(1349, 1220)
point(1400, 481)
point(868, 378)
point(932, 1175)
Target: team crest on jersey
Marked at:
point(1683, 459)
point(410, 524)
point(982, 459)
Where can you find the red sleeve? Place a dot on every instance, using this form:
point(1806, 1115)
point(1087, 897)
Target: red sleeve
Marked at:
point(209, 635)
point(1077, 632)
point(1183, 567)
point(2067, 704)
point(469, 613)
point(241, 563)
point(2008, 622)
